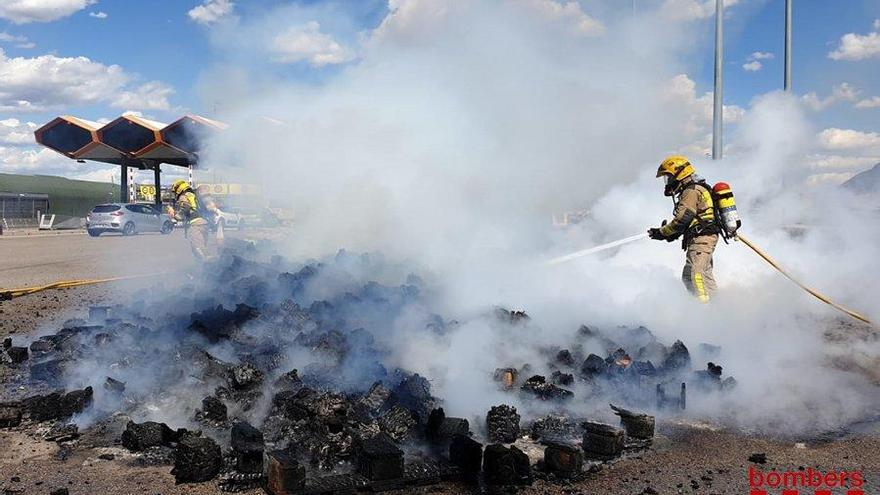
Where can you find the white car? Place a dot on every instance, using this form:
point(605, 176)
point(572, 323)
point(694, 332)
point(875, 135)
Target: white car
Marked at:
point(230, 220)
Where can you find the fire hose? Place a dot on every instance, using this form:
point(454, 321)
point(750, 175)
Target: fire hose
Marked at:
point(811, 291)
point(6, 294)
point(739, 237)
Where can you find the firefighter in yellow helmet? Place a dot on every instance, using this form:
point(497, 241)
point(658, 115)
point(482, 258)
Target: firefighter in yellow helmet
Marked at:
point(193, 215)
point(693, 219)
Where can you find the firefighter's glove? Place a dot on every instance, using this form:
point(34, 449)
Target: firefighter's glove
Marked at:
point(656, 235)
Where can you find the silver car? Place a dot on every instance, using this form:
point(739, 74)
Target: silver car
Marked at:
point(127, 219)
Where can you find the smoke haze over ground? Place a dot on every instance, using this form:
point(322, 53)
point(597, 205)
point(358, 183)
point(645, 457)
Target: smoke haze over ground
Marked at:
point(460, 127)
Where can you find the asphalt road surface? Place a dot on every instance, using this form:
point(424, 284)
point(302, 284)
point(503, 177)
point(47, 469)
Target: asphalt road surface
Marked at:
point(41, 259)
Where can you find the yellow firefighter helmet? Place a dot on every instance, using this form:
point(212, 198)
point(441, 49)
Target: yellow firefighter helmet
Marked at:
point(676, 167)
point(179, 186)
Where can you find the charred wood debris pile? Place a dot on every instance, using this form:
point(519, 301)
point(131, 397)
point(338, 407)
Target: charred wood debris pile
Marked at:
point(213, 356)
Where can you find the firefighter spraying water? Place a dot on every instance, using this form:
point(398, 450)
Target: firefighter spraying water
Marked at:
point(701, 214)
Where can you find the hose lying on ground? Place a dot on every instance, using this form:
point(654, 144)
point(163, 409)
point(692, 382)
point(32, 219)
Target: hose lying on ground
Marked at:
point(813, 292)
point(6, 294)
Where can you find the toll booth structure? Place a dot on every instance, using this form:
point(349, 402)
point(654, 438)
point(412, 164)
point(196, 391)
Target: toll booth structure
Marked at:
point(130, 141)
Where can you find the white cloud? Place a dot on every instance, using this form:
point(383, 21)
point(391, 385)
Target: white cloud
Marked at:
point(691, 10)
point(833, 178)
point(48, 82)
point(150, 96)
point(837, 161)
point(18, 40)
point(13, 131)
point(98, 15)
point(856, 47)
point(211, 11)
point(24, 11)
point(570, 14)
point(681, 91)
point(849, 140)
point(753, 66)
point(8, 38)
point(761, 56)
point(841, 92)
point(872, 102)
point(308, 43)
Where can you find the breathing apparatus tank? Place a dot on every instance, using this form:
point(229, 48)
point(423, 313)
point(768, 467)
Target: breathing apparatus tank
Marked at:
point(725, 208)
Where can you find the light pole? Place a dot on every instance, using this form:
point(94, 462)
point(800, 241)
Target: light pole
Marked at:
point(787, 84)
point(718, 113)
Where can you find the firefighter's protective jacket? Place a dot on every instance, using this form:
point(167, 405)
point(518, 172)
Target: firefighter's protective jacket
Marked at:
point(694, 213)
point(187, 209)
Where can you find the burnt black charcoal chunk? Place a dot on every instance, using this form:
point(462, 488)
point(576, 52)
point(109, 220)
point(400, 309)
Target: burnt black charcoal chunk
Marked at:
point(51, 371)
point(57, 405)
point(502, 424)
point(645, 368)
point(138, 437)
point(398, 423)
point(454, 426)
point(565, 358)
point(289, 404)
point(213, 408)
point(435, 421)
point(196, 459)
point(414, 393)
point(758, 458)
point(379, 459)
point(602, 441)
point(679, 358)
point(247, 442)
point(17, 354)
point(511, 316)
point(245, 377)
point(7, 342)
point(375, 397)
point(593, 365)
point(62, 432)
point(246, 438)
point(60, 491)
point(467, 454)
point(637, 425)
point(565, 460)
point(220, 323)
point(654, 352)
point(289, 381)
point(506, 466)
point(114, 386)
point(285, 474)
point(555, 428)
point(10, 414)
point(538, 386)
point(560, 378)
point(42, 345)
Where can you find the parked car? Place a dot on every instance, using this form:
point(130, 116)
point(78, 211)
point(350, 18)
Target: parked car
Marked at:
point(254, 217)
point(127, 219)
point(230, 220)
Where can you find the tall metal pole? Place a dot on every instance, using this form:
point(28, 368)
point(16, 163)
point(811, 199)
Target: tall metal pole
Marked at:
point(157, 171)
point(718, 113)
point(787, 85)
point(123, 185)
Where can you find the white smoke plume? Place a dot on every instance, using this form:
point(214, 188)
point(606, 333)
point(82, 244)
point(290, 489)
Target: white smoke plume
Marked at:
point(462, 127)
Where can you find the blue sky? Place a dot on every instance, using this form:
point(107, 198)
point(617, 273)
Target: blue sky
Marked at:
point(164, 49)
